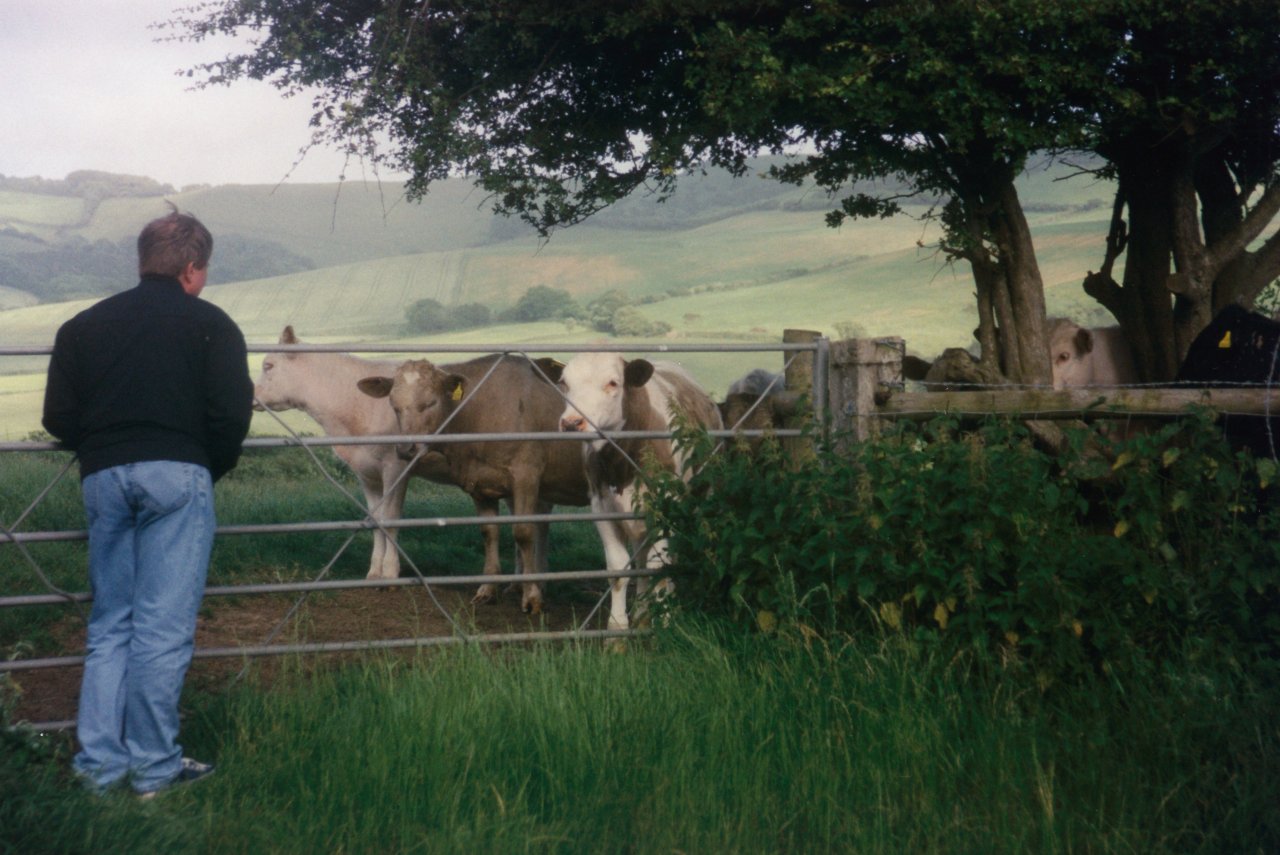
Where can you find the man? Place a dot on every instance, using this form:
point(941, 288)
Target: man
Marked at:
point(151, 389)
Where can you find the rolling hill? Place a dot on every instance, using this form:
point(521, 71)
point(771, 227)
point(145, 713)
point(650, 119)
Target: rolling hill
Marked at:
point(722, 260)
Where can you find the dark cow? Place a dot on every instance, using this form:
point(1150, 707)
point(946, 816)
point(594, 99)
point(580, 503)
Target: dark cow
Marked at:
point(758, 401)
point(492, 394)
point(1237, 349)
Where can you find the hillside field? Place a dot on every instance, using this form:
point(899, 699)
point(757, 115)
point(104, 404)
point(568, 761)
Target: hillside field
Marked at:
point(721, 261)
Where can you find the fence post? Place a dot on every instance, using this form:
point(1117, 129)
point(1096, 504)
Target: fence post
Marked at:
point(860, 368)
point(799, 379)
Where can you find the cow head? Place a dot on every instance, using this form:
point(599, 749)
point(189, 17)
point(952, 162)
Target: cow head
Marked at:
point(276, 386)
point(422, 397)
point(1070, 354)
point(596, 384)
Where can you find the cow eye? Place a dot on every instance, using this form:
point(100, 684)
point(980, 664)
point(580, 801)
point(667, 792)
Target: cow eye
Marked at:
point(611, 385)
point(268, 365)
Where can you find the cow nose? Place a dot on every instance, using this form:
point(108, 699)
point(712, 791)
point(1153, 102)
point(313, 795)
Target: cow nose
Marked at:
point(406, 451)
point(570, 424)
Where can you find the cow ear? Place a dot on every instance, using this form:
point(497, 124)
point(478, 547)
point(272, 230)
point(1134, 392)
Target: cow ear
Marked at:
point(287, 337)
point(454, 386)
point(552, 369)
point(1084, 340)
point(637, 372)
point(375, 387)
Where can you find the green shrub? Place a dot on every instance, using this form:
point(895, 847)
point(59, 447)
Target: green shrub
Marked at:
point(981, 543)
point(542, 302)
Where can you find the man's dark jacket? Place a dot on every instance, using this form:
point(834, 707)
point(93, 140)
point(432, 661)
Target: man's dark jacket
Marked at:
point(150, 374)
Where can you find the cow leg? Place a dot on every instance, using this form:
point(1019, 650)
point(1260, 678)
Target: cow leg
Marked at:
point(543, 544)
point(384, 563)
point(488, 592)
point(616, 557)
point(527, 536)
point(392, 511)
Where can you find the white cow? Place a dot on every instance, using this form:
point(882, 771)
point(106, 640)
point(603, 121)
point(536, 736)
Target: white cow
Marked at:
point(608, 393)
point(323, 385)
point(1089, 357)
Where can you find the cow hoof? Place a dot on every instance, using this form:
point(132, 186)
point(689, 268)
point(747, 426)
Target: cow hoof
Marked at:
point(484, 596)
point(374, 574)
point(532, 607)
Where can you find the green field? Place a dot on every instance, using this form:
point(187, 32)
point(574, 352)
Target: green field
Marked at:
point(748, 259)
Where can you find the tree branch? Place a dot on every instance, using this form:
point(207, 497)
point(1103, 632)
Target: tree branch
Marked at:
point(1254, 223)
point(1102, 285)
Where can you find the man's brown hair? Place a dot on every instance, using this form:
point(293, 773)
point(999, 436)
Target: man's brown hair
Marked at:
point(168, 244)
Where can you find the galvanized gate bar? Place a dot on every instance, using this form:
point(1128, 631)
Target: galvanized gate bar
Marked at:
point(349, 584)
point(355, 526)
point(345, 525)
point(439, 439)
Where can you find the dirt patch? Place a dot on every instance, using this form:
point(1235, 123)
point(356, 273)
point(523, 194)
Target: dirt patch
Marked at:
point(50, 694)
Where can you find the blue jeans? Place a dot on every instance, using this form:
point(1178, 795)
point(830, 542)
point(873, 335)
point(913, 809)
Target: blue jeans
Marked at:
point(151, 531)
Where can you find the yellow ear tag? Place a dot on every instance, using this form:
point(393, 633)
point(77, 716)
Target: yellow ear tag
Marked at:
point(457, 392)
point(1226, 340)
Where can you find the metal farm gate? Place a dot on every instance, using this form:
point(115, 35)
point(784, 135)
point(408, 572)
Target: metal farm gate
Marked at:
point(804, 366)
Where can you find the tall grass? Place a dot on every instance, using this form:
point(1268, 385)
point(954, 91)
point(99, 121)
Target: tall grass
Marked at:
point(702, 741)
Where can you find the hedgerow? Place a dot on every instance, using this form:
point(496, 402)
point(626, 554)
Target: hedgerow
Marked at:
point(979, 542)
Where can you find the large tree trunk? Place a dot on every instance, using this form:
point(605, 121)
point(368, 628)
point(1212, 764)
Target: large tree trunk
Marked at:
point(1025, 287)
point(1142, 304)
point(1011, 322)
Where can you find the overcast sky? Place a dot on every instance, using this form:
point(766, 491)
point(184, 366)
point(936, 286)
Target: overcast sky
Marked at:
point(85, 85)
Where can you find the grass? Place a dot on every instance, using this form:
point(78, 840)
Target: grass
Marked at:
point(702, 741)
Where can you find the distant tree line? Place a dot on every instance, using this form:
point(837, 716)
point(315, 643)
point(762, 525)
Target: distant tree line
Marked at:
point(612, 312)
point(88, 184)
point(77, 268)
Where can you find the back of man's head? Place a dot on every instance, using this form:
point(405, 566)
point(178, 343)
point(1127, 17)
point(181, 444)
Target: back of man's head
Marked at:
point(168, 244)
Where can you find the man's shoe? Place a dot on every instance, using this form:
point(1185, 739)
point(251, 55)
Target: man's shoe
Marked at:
point(191, 771)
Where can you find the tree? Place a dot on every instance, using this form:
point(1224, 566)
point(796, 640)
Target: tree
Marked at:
point(561, 108)
point(603, 309)
point(542, 302)
point(1188, 121)
point(427, 315)
point(467, 315)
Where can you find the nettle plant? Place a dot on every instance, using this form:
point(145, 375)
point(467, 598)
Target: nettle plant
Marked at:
point(975, 539)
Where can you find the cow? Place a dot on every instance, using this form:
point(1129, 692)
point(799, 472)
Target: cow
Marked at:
point(491, 394)
point(757, 382)
point(608, 393)
point(323, 385)
point(1239, 348)
point(1089, 357)
point(757, 401)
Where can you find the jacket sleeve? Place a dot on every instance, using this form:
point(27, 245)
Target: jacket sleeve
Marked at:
point(228, 398)
point(61, 415)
